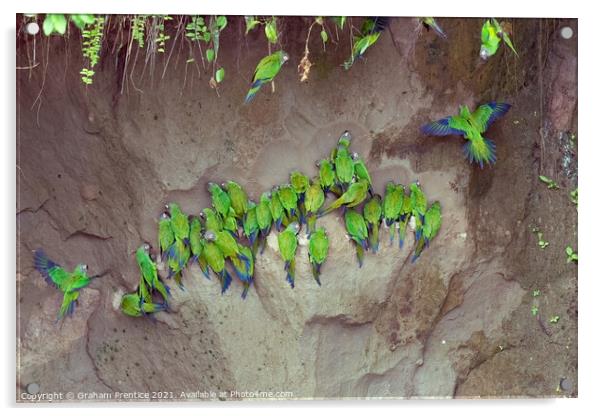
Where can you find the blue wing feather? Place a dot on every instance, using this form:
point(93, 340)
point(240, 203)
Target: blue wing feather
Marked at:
point(440, 128)
point(498, 110)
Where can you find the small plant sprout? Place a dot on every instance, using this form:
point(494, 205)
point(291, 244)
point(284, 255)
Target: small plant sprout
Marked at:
point(551, 184)
point(541, 242)
point(571, 255)
point(554, 319)
point(534, 310)
point(574, 196)
point(536, 293)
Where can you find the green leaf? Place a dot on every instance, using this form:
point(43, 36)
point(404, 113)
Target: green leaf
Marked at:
point(81, 20)
point(324, 36)
point(210, 54)
point(554, 319)
point(551, 184)
point(320, 20)
point(534, 310)
point(536, 293)
point(219, 75)
point(60, 23)
point(251, 22)
point(271, 32)
point(221, 22)
point(48, 26)
point(569, 250)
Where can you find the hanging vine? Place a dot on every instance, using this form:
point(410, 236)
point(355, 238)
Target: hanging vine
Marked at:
point(91, 45)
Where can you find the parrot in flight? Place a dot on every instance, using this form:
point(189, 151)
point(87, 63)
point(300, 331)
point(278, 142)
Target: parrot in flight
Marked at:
point(66, 282)
point(432, 224)
point(392, 206)
point(287, 245)
point(373, 215)
point(431, 23)
point(355, 195)
point(358, 232)
point(267, 69)
point(492, 33)
point(132, 304)
point(471, 125)
point(318, 251)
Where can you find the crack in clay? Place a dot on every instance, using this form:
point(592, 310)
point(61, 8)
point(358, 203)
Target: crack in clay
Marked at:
point(87, 234)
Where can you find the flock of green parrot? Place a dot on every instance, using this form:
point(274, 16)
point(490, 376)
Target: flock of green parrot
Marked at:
point(229, 235)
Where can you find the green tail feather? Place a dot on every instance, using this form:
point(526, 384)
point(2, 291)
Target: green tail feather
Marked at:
point(374, 240)
point(315, 269)
point(480, 150)
point(359, 250)
point(290, 273)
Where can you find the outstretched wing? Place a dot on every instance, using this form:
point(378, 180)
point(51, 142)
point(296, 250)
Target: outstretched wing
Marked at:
point(486, 114)
point(444, 127)
point(52, 272)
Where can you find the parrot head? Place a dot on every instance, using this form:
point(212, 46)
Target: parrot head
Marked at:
point(295, 226)
point(164, 215)
point(355, 156)
point(146, 247)
point(346, 136)
point(283, 57)
point(484, 53)
point(210, 236)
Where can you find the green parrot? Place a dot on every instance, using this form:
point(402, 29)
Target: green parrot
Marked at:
point(197, 244)
point(314, 199)
point(300, 183)
point(371, 30)
point(373, 215)
point(471, 125)
point(60, 278)
point(238, 198)
point(148, 270)
point(166, 237)
point(492, 33)
point(177, 259)
point(179, 222)
point(179, 252)
point(250, 225)
point(276, 208)
point(267, 69)
point(358, 232)
point(344, 167)
point(287, 245)
point(361, 171)
point(418, 206)
point(217, 263)
point(355, 195)
point(327, 174)
point(432, 224)
point(133, 305)
point(213, 221)
point(288, 197)
point(318, 251)
point(264, 218)
point(404, 217)
point(344, 141)
point(231, 223)
point(392, 206)
point(219, 199)
point(431, 23)
point(226, 243)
